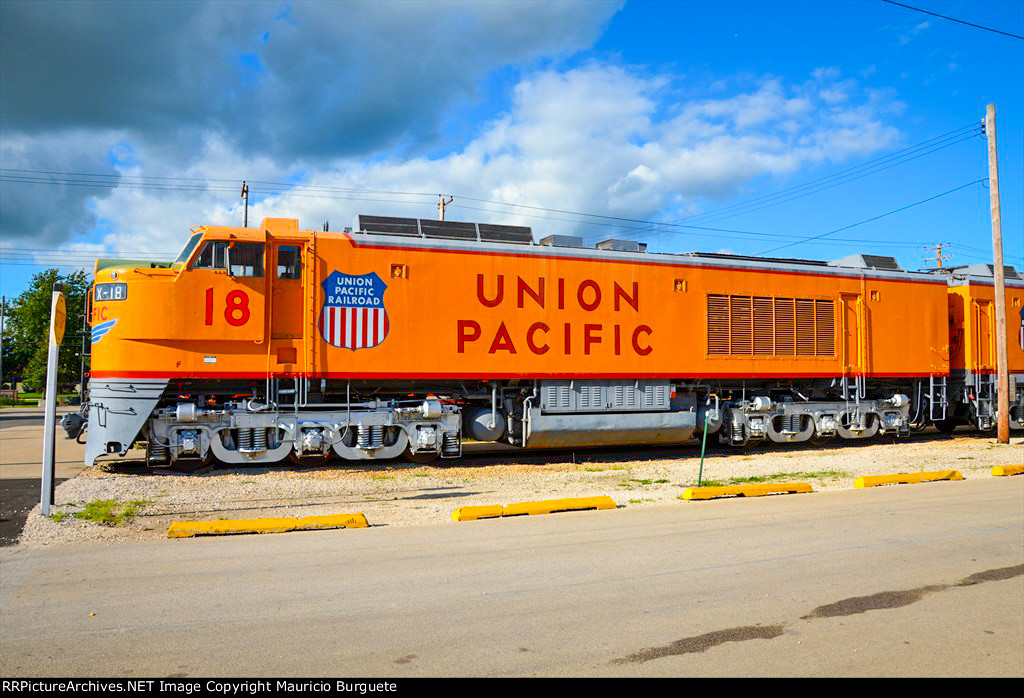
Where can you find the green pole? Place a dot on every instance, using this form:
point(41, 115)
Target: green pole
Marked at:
point(703, 444)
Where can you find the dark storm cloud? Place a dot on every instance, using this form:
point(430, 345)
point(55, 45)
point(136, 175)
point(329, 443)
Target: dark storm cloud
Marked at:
point(41, 216)
point(307, 80)
point(298, 82)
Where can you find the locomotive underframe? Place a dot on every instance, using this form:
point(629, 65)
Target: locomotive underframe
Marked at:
point(313, 421)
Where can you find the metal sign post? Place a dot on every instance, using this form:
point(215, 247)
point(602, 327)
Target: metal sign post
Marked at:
point(58, 318)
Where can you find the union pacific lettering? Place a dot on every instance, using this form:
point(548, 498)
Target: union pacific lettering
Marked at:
point(567, 337)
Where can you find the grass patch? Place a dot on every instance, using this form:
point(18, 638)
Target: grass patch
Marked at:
point(783, 477)
point(111, 512)
point(59, 516)
point(639, 501)
point(625, 483)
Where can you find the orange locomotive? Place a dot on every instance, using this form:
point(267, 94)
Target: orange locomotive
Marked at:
point(260, 344)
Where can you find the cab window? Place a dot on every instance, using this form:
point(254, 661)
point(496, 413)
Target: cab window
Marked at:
point(246, 259)
point(187, 250)
point(289, 263)
point(212, 256)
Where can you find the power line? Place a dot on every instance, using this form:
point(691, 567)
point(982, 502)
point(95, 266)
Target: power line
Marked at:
point(931, 142)
point(188, 182)
point(651, 227)
point(618, 219)
point(954, 19)
point(846, 180)
point(295, 189)
point(875, 218)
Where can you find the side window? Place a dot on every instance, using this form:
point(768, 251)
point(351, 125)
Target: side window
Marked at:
point(246, 259)
point(212, 256)
point(289, 263)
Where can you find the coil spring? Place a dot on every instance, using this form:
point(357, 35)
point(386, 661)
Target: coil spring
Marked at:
point(362, 436)
point(259, 439)
point(369, 436)
point(790, 423)
point(244, 440)
point(737, 426)
point(450, 443)
point(157, 451)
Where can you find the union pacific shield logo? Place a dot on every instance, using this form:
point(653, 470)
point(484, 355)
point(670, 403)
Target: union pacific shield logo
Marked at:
point(353, 316)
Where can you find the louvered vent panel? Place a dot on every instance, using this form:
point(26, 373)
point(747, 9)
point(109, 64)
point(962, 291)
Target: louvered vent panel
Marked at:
point(746, 326)
point(785, 327)
point(556, 397)
point(825, 328)
point(804, 327)
point(741, 335)
point(718, 324)
point(590, 397)
point(618, 396)
point(764, 327)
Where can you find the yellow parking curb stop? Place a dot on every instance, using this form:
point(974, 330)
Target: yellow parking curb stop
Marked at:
point(745, 490)
point(187, 529)
point(474, 513)
point(551, 506)
point(906, 478)
point(1003, 470)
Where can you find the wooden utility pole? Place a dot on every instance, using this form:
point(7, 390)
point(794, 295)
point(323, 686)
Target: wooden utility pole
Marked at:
point(939, 258)
point(1002, 370)
point(245, 195)
point(441, 203)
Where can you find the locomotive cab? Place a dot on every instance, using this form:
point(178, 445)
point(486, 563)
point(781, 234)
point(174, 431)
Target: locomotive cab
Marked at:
point(218, 355)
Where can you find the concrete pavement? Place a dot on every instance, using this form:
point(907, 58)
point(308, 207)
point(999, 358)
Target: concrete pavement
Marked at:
point(21, 447)
point(921, 580)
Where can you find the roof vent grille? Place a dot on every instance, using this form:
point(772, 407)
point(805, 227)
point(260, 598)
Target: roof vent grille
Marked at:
point(622, 246)
point(446, 230)
point(867, 261)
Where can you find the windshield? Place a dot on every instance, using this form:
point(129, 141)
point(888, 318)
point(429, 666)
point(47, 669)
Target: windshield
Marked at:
point(189, 246)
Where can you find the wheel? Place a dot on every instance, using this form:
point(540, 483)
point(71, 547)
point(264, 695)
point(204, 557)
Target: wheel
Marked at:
point(946, 426)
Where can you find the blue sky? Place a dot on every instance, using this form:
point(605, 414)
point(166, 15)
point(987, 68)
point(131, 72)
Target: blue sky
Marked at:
point(633, 112)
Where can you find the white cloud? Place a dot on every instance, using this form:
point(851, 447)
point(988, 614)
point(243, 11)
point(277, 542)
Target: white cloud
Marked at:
point(593, 139)
point(585, 140)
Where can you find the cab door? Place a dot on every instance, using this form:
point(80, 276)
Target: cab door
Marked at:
point(286, 301)
point(984, 335)
point(852, 343)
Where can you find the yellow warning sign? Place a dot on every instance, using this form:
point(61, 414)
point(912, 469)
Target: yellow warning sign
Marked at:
point(60, 316)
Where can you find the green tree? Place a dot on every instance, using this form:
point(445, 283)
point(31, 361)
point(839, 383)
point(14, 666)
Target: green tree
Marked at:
point(26, 335)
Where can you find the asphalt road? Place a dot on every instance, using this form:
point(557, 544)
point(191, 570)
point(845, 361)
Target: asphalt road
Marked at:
point(921, 580)
point(17, 497)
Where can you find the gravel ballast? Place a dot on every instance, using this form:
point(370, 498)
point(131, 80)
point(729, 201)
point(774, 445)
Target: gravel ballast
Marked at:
point(402, 494)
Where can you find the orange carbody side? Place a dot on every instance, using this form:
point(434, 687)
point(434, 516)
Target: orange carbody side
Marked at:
point(557, 316)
